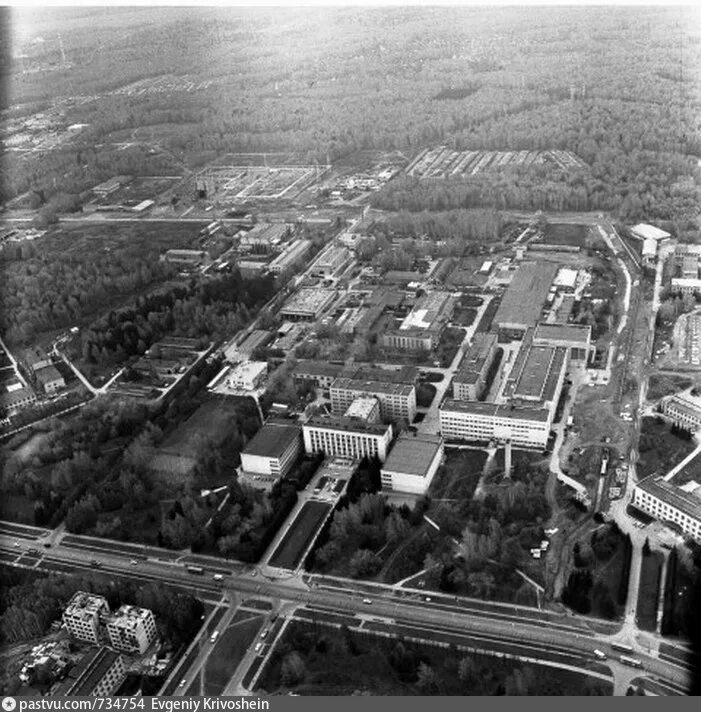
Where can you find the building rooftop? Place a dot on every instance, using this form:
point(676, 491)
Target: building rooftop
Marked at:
point(48, 374)
point(473, 361)
point(362, 407)
point(406, 374)
point(413, 454)
point(316, 368)
point(575, 333)
point(686, 502)
point(566, 277)
point(515, 411)
point(371, 386)
point(689, 282)
point(84, 603)
point(643, 231)
point(272, 440)
point(523, 299)
point(88, 672)
point(12, 398)
point(429, 312)
point(348, 425)
point(309, 300)
point(535, 381)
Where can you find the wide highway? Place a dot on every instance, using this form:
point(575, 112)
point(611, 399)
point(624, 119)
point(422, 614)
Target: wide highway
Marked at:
point(441, 617)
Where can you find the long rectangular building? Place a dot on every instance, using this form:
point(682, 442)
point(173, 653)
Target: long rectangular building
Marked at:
point(669, 503)
point(523, 425)
point(470, 379)
point(421, 329)
point(397, 400)
point(523, 300)
point(575, 337)
point(292, 254)
point(347, 437)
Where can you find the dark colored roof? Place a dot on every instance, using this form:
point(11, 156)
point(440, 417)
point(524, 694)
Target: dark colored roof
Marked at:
point(413, 455)
point(685, 502)
point(523, 300)
point(372, 386)
point(272, 440)
point(316, 368)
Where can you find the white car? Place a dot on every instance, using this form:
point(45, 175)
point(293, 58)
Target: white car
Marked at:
point(183, 682)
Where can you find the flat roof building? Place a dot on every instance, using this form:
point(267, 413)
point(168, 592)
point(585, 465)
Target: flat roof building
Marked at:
point(331, 261)
point(99, 673)
point(84, 615)
point(271, 453)
point(470, 378)
point(292, 254)
point(307, 303)
point(188, 257)
point(684, 409)
point(412, 463)
point(364, 408)
point(132, 629)
point(575, 337)
point(523, 300)
point(537, 374)
point(642, 231)
point(669, 503)
point(247, 376)
point(256, 339)
point(347, 437)
point(397, 400)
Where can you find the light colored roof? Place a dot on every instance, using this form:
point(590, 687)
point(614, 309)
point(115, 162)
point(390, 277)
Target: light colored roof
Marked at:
point(576, 333)
point(523, 300)
point(642, 230)
point(672, 495)
point(513, 411)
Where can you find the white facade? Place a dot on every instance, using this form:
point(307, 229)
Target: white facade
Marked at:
point(275, 467)
point(339, 438)
point(132, 629)
point(497, 422)
point(686, 285)
point(668, 503)
point(83, 615)
point(412, 472)
point(684, 410)
point(397, 401)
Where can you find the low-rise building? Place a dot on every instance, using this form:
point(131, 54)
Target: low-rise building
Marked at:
point(49, 379)
point(667, 502)
point(412, 463)
point(470, 378)
point(574, 337)
point(84, 615)
point(290, 256)
point(110, 186)
point(271, 454)
point(347, 437)
point(684, 285)
point(331, 261)
point(14, 400)
point(99, 673)
point(247, 376)
point(641, 231)
point(307, 303)
point(421, 329)
point(318, 374)
point(132, 629)
point(255, 340)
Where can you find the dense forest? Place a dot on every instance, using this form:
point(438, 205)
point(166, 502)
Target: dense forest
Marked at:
point(613, 86)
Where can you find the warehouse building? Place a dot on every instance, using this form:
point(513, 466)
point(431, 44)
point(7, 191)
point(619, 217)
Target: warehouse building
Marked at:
point(422, 328)
point(668, 502)
point(290, 256)
point(347, 437)
point(307, 304)
point(191, 258)
point(641, 231)
point(331, 262)
point(524, 298)
point(397, 400)
point(270, 454)
point(412, 463)
point(575, 337)
point(470, 378)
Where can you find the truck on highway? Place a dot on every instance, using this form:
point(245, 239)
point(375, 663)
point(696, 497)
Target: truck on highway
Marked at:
point(600, 654)
point(622, 647)
point(633, 662)
point(218, 577)
point(367, 601)
point(195, 570)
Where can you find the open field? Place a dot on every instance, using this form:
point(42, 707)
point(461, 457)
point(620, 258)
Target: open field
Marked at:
point(306, 524)
point(565, 234)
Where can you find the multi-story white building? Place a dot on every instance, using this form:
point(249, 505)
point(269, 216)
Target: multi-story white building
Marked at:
point(132, 629)
point(523, 425)
point(366, 408)
point(470, 379)
point(270, 454)
point(684, 410)
point(347, 437)
point(667, 502)
point(84, 616)
point(412, 463)
point(397, 400)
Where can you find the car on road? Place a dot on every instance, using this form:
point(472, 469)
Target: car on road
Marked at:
point(16, 543)
point(183, 682)
point(263, 634)
point(367, 601)
point(95, 563)
point(32, 551)
point(134, 562)
point(218, 577)
point(214, 636)
point(258, 647)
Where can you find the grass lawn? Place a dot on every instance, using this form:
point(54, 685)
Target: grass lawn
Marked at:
point(351, 663)
point(565, 234)
point(229, 650)
point(660, 385)
point(458, 476)
point(464, 316)
point(659, 448)
point(425, 393)
point(648, 593)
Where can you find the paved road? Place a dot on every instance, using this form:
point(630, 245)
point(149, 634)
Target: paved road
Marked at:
point(517, 623)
